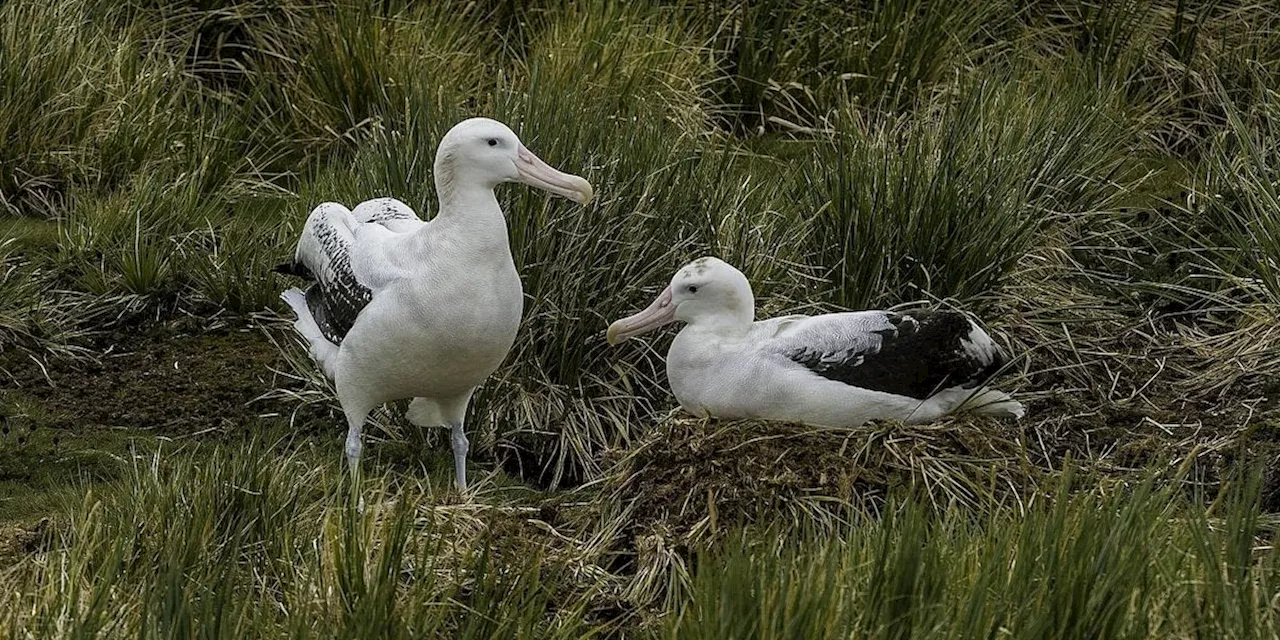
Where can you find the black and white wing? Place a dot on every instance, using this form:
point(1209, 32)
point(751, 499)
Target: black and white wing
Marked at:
point(910, 353)
point(336, 295)
point(339, 290)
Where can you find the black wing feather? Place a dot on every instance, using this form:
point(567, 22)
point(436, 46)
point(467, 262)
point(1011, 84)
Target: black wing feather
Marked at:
point(920, 356)
point(296, 269)
point(335, 308)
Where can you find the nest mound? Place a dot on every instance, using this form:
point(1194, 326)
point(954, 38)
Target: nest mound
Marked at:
point(693, 477)
point(690, 480)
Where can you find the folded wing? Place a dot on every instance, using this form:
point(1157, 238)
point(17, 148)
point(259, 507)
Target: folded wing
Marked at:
point(911, 353)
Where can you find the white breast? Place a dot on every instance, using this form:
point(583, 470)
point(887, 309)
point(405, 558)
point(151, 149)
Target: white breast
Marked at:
point(440, 335)
point(721, 376)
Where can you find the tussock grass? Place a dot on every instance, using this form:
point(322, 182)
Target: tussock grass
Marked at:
point(630, 63)
point(355, 71)
point(84, 106)
point(1133, 563)
point(257, 541)
point(958, 195)
point(788, 65)
point(1243, 199)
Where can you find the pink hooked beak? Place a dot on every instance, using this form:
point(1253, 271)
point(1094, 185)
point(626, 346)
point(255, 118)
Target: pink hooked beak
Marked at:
point(536, 173)
point(655, 315)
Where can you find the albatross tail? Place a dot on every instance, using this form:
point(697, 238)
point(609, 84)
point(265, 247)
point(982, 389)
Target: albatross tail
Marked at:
point(325, 352)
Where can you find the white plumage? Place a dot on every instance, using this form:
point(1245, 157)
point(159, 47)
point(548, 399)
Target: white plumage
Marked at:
point(401, 308)
point(839, 369)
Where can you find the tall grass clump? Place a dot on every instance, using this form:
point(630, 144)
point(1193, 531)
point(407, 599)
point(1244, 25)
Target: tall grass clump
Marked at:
point(26, 316)
point(1243, 197)
point(789, 65)
point(1109, 35)
point(219, 44)
point(1241, 51)
point(1138, 563)
point(1177, 59)
point(629, 63)
point(80, 105)
point(1226, 56)
point(251, 542)
point(947, 202)
point(356, 69)
point(213, 176)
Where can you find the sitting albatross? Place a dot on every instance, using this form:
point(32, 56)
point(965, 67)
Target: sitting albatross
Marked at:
point(838, 369)
point(401, 308)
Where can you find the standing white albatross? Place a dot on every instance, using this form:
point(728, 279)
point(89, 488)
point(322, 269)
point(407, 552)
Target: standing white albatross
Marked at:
point(401, 308)
point(838, 369)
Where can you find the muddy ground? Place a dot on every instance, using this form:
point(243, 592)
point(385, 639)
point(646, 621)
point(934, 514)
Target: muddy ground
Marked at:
point(73, 421)
point(167, 381)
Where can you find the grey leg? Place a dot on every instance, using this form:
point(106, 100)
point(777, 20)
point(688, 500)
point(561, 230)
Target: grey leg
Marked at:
point(355, 424)
point(460, 447)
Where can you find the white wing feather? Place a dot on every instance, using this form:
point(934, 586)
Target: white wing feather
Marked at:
point(392, 214)
point(834, 334)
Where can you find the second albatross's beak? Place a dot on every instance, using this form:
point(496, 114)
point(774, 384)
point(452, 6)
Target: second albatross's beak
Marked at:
point(655, 315)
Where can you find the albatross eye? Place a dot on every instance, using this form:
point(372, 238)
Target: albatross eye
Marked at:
point(493, 142)
point(693, 288)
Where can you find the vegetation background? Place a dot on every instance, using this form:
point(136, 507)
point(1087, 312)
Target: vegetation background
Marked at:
point(1098, 179)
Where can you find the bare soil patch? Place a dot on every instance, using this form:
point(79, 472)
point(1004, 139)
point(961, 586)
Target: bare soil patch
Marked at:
point(166, 379)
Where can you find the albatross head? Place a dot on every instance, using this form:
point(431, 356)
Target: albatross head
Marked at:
point(485, 153)
point(707, 291)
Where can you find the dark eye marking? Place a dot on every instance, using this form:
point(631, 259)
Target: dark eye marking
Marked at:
point(693, 288)
point(493, 142)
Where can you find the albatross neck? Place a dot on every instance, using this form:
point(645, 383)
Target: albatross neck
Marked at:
point(733, 323)
point(472, 210)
